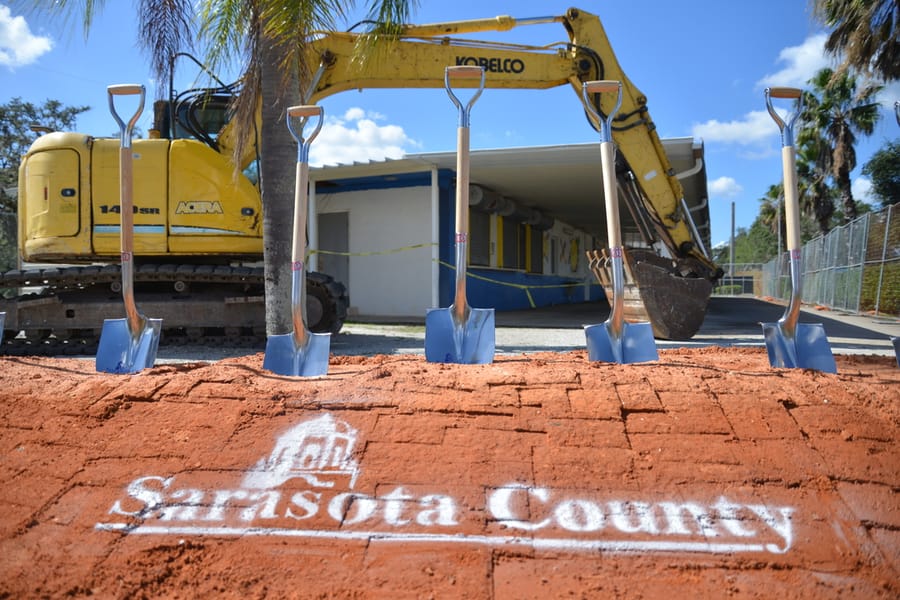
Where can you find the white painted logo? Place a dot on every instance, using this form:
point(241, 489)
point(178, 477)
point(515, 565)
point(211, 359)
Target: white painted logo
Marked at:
point(321, 448)
point(295, 492)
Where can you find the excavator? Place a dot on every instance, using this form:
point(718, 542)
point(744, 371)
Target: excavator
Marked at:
point(197, 221)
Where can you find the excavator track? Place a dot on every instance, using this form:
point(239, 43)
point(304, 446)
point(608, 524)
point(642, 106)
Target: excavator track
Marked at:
point(61, 310)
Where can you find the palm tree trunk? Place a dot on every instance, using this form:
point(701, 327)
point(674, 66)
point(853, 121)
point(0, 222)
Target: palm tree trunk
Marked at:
point(278, 154)
point(847, 202)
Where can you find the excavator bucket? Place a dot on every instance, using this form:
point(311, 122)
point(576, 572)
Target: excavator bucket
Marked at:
point(655, 292)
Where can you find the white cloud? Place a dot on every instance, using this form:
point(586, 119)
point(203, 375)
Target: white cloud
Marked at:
point(725, 187)
point(18, 46)
point(801, 63)
point(356, 136)
point(755, 127)
point(861, 188)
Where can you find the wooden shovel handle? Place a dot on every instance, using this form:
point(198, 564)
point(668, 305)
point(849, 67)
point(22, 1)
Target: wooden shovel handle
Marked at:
point(599, 87)
point(310, 110)
point(465, 71)
point(125, 89)
point(784, 92)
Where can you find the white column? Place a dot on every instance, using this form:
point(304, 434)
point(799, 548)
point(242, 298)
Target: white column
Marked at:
point(435, 238)
point(312, 225)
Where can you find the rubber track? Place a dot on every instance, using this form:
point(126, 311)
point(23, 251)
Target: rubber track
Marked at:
point(56, 280)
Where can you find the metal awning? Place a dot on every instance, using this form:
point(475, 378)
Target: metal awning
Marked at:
point(564, 182)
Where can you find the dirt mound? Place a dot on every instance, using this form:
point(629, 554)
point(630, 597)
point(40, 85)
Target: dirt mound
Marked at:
point(705, 474)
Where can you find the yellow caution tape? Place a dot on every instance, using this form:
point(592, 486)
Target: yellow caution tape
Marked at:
point(525, 288)
point(378, 253)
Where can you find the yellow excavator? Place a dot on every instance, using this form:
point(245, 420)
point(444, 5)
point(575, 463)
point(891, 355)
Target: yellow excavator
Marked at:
point(197, 226)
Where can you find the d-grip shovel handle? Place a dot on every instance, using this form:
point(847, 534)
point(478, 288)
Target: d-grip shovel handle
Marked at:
point(126, 202)
point(126, 89)
point(607, 153)
point(460, 304)
point(789, 161)
point(301, 207)
point(464, 72)
point(788, 322)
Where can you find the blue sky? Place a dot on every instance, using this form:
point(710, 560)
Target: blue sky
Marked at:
point(703, 66)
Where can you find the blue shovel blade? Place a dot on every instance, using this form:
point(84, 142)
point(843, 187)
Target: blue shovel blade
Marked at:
point(469, 343)
point(119, 352)
point(636, 343)
point(2, 324)
point(285, 357)
point(808, 349)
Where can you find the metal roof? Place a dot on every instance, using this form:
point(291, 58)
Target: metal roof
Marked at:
point(564, 182)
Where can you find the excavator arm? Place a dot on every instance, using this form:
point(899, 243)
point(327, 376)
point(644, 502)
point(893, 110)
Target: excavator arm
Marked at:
point(417, 59)
point(669, 285)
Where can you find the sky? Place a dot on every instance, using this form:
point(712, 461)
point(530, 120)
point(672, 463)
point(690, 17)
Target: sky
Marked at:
point(703, 65)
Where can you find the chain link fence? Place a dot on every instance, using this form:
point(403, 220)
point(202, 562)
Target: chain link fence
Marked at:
point(855, 267)
point(740, 278)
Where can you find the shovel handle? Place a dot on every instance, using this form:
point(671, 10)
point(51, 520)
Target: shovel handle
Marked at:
point(784, 92)
point(306, 110)
point(303, 113)
point(126, 89)
point(464, 72)
point(597, 87)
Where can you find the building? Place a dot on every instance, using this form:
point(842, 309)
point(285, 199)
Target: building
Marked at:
point(386, 228)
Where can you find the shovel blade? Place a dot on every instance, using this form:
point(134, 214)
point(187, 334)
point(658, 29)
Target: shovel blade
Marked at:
point(807, 349)
point(2, 324)
point(634, 345)
point(896, 342)
point(285, 357)
point(469, 343)
point(120, 352)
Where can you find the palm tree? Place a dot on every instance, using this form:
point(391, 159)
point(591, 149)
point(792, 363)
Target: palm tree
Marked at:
point(839, 111)
point(770, 207)
point(813, 167)
point(269, 36)
point(864, 32)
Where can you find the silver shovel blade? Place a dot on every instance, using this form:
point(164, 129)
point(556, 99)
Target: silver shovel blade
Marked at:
point(469, 343)
point(119, 352)
point(635, 344)
point(807, 349)
point(285, 357)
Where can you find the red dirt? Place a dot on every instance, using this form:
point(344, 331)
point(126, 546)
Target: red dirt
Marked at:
point(707, 474)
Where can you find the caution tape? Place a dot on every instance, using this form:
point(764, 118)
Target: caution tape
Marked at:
point(520, 286)
point(376, 253)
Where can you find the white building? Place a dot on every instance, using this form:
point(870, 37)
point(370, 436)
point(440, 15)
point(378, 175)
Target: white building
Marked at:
point(386, 229)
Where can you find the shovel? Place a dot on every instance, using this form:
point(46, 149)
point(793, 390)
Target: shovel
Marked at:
point(461, 334)
point(2, 323)
point(615, 340)
point(300, 353)
point(791, 344)
point(127, 345)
